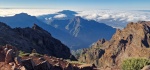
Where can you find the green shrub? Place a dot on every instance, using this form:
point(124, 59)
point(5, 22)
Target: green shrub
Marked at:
point(36, 54)
point(134, 63)
point(22, 53)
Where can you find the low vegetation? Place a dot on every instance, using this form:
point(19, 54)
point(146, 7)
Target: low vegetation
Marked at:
point(33, 53)
point(22, 54)
point(135, 63)
point(74, 62)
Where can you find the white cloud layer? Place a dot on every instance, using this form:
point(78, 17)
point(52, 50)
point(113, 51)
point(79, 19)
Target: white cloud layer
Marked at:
point(59, 16)
point(33, 12)
point(117, 19)
point(114, 18)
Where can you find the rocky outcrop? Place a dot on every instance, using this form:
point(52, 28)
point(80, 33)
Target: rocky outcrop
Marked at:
point(132, 41)
point(28, 64)
point(27, 39)
point(35, 62)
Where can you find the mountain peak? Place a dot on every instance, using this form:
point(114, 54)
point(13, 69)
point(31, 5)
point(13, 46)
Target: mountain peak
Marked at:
point(36, 27)
point(22, 14)
point(69, 12)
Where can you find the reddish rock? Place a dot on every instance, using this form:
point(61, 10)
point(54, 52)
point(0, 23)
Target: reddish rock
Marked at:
point(9, 56)
point(18, 60)
point(86, 67)
point(130, 42)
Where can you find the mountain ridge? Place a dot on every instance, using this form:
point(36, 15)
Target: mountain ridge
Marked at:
point(27, 39)
point(131, 42)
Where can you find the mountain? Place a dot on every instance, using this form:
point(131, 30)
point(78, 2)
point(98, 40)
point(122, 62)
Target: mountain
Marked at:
point(87, 31)
point(25, 20)
point(131, 42)
point(27, 39)
point(64, 14)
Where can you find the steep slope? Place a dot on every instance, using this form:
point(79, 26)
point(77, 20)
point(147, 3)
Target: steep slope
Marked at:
point(87, 31)
point(132, 41)
point(27, 39)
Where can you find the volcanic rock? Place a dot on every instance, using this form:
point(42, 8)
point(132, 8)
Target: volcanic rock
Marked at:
point(131, 42)
point(28, 64)
point(9, 56)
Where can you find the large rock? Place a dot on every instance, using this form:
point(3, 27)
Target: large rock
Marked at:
point(86, 67)
point(43, 66)
point(28, 64)
point(18, 60)
point(9, 56)
point(56, 67)
point(131, 42)
point(68, 67)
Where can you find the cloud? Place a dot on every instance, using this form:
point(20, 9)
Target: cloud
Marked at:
point(33, 12)
point(59, 16)
point(115, 18)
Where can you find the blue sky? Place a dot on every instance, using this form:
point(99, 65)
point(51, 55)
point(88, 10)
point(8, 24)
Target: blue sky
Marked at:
point(78, 4)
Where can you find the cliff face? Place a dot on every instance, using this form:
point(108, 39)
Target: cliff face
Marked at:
point(132, 41)
point(27, 39)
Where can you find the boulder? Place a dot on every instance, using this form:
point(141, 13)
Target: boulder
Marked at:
point(28, 64)
point(86, 67)
point(22, 68)
point(18, 60)
point(41, 59)
point(43, 66)
point(56, 67)
point(9, 56)
point(68, 67)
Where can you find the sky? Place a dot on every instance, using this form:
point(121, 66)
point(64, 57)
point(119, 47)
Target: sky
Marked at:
point(77, 4)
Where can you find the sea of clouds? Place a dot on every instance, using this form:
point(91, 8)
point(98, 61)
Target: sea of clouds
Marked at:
point(114, 18)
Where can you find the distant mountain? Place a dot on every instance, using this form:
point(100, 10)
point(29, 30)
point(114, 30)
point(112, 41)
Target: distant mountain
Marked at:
point(24, 20)
point(27, 39)
point(65, 14)
point(86, 31)
point(75, 32)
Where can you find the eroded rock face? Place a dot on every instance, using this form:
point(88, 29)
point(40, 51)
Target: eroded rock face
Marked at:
point(132, 41)
point(27, 39)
